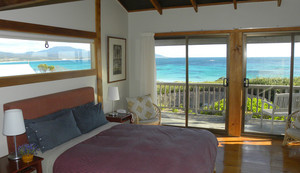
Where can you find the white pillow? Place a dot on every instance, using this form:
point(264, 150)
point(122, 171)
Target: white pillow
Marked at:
point(142, 107)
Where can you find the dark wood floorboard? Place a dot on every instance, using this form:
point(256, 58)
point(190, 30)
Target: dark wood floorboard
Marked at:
point(256, 155)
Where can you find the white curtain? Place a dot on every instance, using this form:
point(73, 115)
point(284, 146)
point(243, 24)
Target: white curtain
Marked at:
point(147, 70)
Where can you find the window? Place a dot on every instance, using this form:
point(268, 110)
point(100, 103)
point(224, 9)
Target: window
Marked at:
point(23, 56)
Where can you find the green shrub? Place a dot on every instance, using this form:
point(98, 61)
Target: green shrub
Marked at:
point(216, 105)
point(44, 68)
point(175, 110)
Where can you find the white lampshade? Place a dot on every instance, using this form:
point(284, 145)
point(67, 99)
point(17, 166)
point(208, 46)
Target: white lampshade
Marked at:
point(13, 122)
point(113, 93)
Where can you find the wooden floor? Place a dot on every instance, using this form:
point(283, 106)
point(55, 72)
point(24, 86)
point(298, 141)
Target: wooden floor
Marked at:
point(256, 155)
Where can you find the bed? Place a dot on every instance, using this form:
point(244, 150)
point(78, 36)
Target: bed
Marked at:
point(115, 147)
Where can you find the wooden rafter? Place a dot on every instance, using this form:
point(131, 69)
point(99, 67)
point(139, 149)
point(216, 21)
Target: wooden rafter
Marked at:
point(235, 4)
point(278, 3)
point(16, 4)
point(194, 3)
point(157, 6)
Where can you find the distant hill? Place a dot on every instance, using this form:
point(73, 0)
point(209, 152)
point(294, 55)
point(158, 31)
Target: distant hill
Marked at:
point(59, 52)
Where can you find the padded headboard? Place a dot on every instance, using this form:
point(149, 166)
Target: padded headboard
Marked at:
point(44, 105)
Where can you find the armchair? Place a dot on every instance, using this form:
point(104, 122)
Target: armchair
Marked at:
point(281, 104)
point(154, 121)
point(143, 110)
point(292, 129)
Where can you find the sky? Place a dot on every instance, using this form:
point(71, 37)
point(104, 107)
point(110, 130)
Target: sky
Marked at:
point(253, 50)
point(22, 46)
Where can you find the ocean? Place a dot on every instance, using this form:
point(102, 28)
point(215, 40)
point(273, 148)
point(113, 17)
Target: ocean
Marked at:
point(60, 65)
point(200, 69)
point(211, 69)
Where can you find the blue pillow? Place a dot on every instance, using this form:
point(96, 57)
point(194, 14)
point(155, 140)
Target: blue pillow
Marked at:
point(54, 132)
point(32, 138)
point(82, 108)
point(89, 118)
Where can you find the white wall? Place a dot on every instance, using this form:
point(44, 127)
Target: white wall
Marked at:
point(114, 23)
point(75, 15)
point(220, 17)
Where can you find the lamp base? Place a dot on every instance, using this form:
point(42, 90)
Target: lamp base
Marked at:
point(113, 114)
point(12, 156)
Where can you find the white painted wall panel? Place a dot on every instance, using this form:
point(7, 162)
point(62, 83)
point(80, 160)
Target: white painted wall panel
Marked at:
point(75, 15)
point(114, 23)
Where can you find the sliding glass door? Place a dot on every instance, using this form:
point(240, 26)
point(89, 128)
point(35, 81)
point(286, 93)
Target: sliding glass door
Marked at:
point(191, 80)
point(272, 87)
point(207, 70)
point(170, 57)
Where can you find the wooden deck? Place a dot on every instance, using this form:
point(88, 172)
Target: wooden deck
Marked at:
point(218, 122)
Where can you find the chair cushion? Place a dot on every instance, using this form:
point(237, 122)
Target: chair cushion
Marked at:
point(141, 107)
point(294, 133)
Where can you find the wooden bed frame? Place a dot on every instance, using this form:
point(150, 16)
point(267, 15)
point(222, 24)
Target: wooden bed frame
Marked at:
point(47, 104)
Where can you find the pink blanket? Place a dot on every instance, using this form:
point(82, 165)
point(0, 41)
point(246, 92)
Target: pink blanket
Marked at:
point(129, 148)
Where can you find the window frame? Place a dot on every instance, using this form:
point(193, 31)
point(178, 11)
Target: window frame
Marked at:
point(52, 31)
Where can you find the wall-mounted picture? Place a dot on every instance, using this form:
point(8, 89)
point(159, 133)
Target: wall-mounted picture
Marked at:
point(116, 62)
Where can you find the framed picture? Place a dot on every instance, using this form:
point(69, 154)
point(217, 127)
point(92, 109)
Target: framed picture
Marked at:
point(116, 59)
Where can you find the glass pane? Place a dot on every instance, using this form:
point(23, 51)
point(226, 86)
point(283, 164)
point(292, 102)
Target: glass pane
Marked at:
point(268, 70)
point(207, 95)
point(21, 57)
point(171, 76)
point(296, 83)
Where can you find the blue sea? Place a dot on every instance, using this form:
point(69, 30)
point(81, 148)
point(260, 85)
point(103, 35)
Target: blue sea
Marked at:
point(61, 65)
point(200, 69)
point(211, 69)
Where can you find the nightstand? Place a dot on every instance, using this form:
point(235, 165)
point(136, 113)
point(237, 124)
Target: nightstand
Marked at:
point(11, 166)
point(121, 118)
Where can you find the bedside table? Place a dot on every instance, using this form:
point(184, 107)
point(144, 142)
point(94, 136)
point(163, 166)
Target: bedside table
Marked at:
point(11, 166)
point(121, 118)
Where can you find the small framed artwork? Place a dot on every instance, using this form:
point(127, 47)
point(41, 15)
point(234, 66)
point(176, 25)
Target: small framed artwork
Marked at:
point(116, 59)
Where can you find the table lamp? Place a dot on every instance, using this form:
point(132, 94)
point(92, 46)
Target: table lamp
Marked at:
point(13, 125)
point(113, 95)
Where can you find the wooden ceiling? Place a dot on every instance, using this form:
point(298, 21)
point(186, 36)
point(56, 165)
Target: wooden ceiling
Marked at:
point(16, 4)
point(133, 5)
point(160, 5)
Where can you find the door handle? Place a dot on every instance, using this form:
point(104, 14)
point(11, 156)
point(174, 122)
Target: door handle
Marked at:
point(246, 82)
point(225, 82)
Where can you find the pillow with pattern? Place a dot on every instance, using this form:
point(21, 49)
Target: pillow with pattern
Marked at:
point(141, 107)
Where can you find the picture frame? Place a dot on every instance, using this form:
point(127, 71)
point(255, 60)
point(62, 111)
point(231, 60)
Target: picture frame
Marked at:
point(116, 59)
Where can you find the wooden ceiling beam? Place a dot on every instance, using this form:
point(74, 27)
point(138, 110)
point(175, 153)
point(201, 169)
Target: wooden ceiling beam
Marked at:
point(194, 3)
point(278, 3)
point(17, 4)
point(157, 6)
point(235, 4)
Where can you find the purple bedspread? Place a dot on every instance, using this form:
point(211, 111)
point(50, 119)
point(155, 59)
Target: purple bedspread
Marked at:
point(129, 148)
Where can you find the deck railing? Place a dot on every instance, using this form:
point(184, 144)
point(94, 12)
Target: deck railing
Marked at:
point(212, 97)
point(201, 96)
